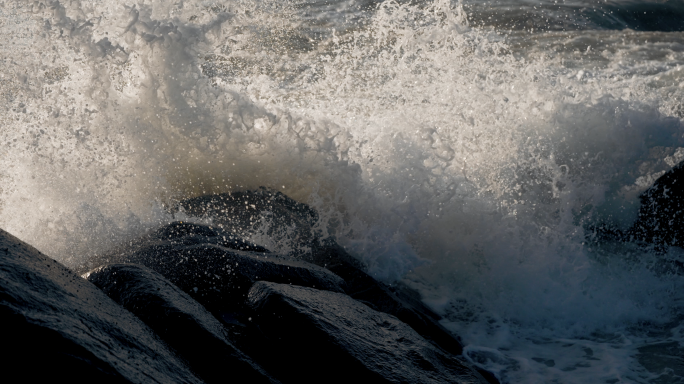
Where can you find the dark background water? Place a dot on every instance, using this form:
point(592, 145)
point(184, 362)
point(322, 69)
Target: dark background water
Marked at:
point(566, 15)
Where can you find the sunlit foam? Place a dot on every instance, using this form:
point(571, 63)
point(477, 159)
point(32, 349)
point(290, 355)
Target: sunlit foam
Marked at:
point(433, 150)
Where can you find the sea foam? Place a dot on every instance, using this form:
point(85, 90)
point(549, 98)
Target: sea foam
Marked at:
point(471, 163)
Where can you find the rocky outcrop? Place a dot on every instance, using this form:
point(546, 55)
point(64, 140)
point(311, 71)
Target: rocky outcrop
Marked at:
point(224, 305)
point(347, 340)
point(241, 212)
point(180, 321)
point(60, 327)
point(397, 300)
point(661, 215)
point(184, 233)
point(215, 275)
point(196, 258)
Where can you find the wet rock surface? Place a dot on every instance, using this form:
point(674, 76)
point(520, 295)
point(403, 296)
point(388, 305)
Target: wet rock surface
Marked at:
point(64, 328)
point(221, 302)
point(241, 212)
point(397, 300)
point(347, 339)
point(661, 215)
point(215, 275)
point(181, 321)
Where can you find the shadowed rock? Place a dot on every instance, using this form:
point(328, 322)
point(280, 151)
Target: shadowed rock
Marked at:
point(184, 233)
point(216, 266)
point(347, 340)
point(180, 321)
point(64, 328)
point(240, 213)
point(180, 230)
point(248, 206)
point(193, 256)
point(175, 234)
point(397, 300)
point(661, 215)
point(219, 277)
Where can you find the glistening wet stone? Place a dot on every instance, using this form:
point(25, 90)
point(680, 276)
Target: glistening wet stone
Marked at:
point(180, 321)
point(398, 300)
point(220, 277)
point(240, 213)
point(661, 215)
point(347, 340)
point(64, 329)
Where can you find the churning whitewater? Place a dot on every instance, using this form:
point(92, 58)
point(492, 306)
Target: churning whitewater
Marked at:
point(470, 149)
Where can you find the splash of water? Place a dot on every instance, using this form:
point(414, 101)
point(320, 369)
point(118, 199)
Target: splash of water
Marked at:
point(471, 163)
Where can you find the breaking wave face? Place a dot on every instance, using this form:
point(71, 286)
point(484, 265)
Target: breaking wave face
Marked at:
point(469, 163)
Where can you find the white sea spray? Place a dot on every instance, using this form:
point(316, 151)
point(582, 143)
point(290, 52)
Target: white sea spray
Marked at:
point(473, 164)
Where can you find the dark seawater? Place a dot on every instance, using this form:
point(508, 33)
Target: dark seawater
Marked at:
point(578, 15)
point(469, 148)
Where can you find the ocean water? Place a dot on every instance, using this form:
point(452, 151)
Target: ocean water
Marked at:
point(470, 149)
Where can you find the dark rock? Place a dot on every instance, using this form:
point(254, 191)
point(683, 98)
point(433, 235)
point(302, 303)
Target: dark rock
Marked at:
point(347, 340)
point(175, 234)
point(188, 255)
point(179, 230)
point(240, 213)
point(180, 321)
point(397, 300)
point(219, 277)
point(661, 215)
point(196, 258)
point(63, 328)
point(184, 233)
